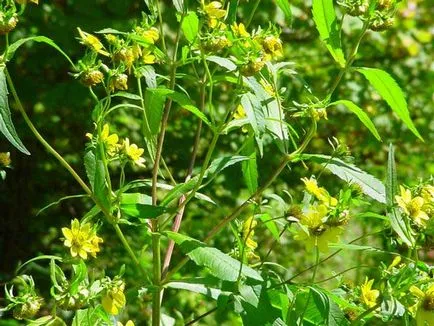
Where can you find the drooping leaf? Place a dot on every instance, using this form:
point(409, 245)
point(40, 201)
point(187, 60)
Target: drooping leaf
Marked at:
point(350, 173)
point(397, 221)
point(6, 126)
point(389, 90)
point(270, 225)
point(148, 72)
point(219, 264)
point(286, 8)
point(90, 317)
point(190, 26)
point(127, 95)
point(363, 117)
point(327, 25)
point(222, 62)
point(40, 39)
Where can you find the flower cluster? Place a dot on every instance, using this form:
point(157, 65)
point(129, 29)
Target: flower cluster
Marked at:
point(123, 53)
point(81, 239)
point(419, 206)
point(114, 298)
point(251, 50)
point(322, 221)
point(116, 149)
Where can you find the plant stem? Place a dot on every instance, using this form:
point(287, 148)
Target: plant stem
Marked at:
point(350, 60)
point(312, 281)
point(156, 271)
point(68, 167)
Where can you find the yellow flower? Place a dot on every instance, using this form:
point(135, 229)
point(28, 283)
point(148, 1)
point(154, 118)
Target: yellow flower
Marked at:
point(368, 295)
point(151, 35)
point(412, 206)
point(148, 57)
point(134, 152)
point(314, 232)
point(92, 42)
point(248, 233)
point(81, 239)
point(129, 323)
point(239, 30)
point(213, 10)
point(319, 192)
point(273, 46)
point(424, 306)
point(114, 300)
point(110, 141)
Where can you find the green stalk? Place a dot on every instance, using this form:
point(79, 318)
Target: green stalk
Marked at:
point(68, 167)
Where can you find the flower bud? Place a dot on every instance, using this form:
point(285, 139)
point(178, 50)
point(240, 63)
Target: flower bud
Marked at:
point(119, 82)
point(382, 25)
point(92, 78)
point(5, 159)
point(7, 23)
point(252, 67)
point(28, 309)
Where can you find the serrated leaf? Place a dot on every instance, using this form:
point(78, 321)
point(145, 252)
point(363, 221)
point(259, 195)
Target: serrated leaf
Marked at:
point(190, 26)
point(363, 117)
point(350, 173)
point(327, 25)
point(389, 90)
point(286, 8)
point(148, 72)
point(222, 62)
point(183, 101)
point(154, 105)
point(6, 126)
point(396, 219)
point(127, 95)
point(40, 39)
point(219, 264)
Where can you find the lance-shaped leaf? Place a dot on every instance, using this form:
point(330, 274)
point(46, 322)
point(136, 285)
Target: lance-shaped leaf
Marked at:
point(6, 126)
point(363, 117)
point(249, 167)
point(286, 8)
point(350, 173)
point(327, 25)
point(190, 26)
point(219, 264)
point(397, 221)
point(391, 93)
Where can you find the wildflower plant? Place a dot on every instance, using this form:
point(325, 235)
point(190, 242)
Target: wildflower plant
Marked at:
point(226, 76)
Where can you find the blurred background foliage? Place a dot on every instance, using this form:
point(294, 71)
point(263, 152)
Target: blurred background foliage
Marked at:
point(60, 107)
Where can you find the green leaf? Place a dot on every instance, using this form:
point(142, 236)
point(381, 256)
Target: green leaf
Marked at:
point(222, 62)
point(214, 169)
point(249, 167)
point(142, 211)
point(253, 108)
point(219, 264)
point(327, 25)
point(135, 198)
point(270, 225)
point(286, 8)
point(41, 257)
point(179, 5)
point(186, 104)
point(96, 174)
point(6, 126)
point(40, 39)
point(154, 105)
point(350, 173)
point(198, 286)
point(127, 95)
point(148, 72)
point(396, 219)
point(387, 87)
point(363, 117)
point(90, 317)
point(190, 26)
